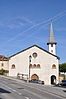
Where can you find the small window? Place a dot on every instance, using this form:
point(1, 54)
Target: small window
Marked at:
point(30, 66)
point(51, 45)
point(13, 66)
point(38, 65)
point(52, 51)
point(2, 64)
point(34, 54)
point(53, 66)
point(34, 65)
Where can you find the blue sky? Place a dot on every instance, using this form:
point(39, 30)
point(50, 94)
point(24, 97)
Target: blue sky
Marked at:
point(24, 23)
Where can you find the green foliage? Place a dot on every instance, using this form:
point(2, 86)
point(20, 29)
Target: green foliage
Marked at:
point(3, 72)
point(62, 67)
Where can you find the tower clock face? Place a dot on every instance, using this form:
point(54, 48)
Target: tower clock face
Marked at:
point(34, 54)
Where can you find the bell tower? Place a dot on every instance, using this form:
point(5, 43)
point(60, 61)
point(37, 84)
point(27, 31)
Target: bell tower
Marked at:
point(52, 43)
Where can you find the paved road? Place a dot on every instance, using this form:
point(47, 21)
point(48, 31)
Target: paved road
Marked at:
point(17, 89)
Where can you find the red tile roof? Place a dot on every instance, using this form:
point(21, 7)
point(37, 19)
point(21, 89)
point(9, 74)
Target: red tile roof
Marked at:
point(3, 58)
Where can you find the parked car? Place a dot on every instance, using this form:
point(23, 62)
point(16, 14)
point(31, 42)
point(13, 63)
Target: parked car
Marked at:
point(36, 81)
point(58, 84)
point(63, 83)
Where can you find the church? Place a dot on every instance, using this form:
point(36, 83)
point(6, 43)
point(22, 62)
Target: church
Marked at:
point(36, 63)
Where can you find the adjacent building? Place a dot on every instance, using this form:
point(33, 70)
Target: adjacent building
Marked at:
point(4, 62)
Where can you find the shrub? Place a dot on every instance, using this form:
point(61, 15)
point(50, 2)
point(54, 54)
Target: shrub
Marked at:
point(3, 72)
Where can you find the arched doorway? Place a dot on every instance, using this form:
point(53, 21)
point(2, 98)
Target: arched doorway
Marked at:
point(53, 79)
point(34, 77)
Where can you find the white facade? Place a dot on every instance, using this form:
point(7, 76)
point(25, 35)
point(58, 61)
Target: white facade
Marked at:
point(45, 60)
point(52, 48)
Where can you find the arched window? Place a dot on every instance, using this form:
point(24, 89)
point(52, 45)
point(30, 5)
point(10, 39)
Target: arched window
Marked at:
point(30, 65)
point(34, 65)
point(13, 66)
point(38, 65)
point(34, 77)
point(53, 66)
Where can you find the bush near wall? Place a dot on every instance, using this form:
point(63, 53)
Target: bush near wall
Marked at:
point(3, 72)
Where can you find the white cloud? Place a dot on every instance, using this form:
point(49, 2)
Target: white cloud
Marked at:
point(17, 22)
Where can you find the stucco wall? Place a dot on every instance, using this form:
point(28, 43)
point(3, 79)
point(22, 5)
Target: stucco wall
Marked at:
point(5, 65)
point(43, 58)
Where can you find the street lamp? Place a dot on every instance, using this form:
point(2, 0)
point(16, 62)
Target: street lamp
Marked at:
point(29, 65)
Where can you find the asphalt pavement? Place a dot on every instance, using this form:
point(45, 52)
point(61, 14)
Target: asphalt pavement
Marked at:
point(12, 88)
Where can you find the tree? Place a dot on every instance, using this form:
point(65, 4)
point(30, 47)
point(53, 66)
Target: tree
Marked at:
point(3, 72)
point(62, 68)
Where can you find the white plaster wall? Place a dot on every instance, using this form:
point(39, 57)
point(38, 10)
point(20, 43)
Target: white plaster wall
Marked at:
point(45, 60)
point(52, 48)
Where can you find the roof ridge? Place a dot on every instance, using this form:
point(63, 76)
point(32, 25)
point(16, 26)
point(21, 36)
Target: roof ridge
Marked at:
point(31, 47)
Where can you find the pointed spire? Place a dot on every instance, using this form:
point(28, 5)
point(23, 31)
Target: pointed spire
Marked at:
point(52, 43)
point(51, 39)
